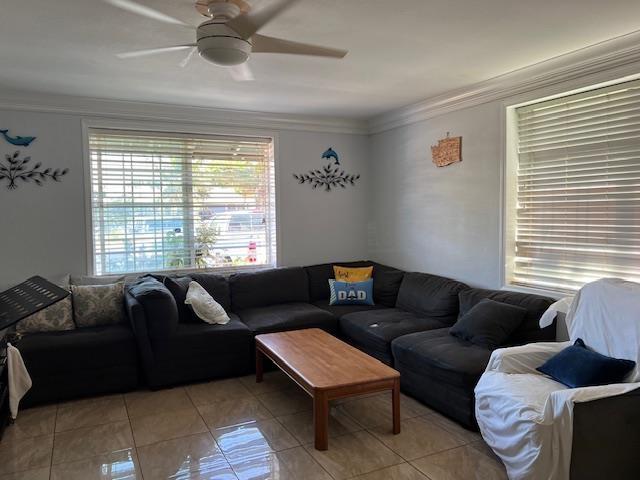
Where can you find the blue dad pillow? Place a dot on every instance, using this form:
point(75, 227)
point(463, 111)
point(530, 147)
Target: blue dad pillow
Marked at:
point(351, 293)
point(578, 366)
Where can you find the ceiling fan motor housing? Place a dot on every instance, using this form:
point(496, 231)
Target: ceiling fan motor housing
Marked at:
point(221, 45)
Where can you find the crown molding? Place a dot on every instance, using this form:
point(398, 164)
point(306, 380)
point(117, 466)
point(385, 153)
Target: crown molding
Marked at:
point(617, 53)
point(132, 110)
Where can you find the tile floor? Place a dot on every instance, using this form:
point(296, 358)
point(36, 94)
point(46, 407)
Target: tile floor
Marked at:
point(237, 429)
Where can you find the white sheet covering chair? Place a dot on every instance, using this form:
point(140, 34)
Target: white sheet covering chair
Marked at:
point(528, 419)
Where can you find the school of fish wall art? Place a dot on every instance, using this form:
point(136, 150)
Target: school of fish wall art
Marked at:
point(17, 169)
point(330, 176)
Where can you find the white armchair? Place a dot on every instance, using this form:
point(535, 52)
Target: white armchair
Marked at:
point(527, 418)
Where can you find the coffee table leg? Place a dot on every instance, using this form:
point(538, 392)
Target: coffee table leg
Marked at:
point(396, 406)
point(321, 420)
point(259, 365)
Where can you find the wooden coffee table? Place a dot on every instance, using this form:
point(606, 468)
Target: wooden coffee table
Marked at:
point(327, 369)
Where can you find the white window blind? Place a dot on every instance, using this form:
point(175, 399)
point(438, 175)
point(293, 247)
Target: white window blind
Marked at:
point(168, 201)
point(578, 189)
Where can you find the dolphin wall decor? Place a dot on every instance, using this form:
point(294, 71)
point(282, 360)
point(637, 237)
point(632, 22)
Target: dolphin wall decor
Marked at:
point(331, 154)
point(17, 140)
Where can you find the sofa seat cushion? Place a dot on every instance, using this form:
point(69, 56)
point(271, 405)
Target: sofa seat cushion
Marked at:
point(82, 362)
point(373, 331)
point(287, 316)
point(442, 357)
point(201, 351)
point(341, 310)
point(206, 339)
point(80, 349)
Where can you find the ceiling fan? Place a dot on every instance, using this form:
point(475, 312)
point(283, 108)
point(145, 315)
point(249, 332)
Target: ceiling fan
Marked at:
point(229, 35)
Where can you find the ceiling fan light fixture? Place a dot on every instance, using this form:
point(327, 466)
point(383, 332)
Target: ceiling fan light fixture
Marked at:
point(224, 51)
point(221, 45)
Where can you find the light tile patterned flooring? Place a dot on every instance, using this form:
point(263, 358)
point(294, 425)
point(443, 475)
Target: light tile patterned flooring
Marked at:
point(237, 429)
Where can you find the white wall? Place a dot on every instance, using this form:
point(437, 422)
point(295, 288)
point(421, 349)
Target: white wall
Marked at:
point(42, 229)
point(439, 220)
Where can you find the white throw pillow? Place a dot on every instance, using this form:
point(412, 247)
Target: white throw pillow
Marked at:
point(204, 306)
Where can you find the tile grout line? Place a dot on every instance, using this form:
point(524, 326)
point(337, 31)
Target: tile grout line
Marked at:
point(211, 433)
point(135, 446)
point(53, 441)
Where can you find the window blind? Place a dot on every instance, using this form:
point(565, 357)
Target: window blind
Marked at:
point(168, 201)
point(578, 189)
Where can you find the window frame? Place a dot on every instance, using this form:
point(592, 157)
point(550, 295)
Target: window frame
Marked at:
point(182, 128)
point(509, 162)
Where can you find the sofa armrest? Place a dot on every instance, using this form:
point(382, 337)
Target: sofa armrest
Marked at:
point(525, 358)
point(606, 438)
point(138, 322)
point(160, 319)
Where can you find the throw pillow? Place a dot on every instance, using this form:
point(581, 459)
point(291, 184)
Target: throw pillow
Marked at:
point(95, 280)
point(95, 305)
point(204, 305)
point(489, 323)
point(577, 366)
point(55, 318)
point(352, 274)
point(351, 293)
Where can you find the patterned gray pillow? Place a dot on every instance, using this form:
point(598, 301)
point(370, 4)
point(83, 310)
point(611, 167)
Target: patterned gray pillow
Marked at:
point(54, 318)
point(95, 305)
point(99, 280)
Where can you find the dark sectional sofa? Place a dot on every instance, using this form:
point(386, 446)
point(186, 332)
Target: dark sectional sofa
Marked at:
point(164, 345)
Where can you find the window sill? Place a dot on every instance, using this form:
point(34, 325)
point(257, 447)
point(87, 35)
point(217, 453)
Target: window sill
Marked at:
point(225, 271)
point(555, 294)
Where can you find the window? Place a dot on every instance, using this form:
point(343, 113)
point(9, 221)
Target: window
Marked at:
point(575, 205)
point(167, 201)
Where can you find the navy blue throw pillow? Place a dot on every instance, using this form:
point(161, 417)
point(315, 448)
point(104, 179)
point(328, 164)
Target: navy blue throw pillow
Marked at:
point(578, 366)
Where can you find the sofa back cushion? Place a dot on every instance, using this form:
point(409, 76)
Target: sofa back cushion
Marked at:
point(430, 295)
point(535, 305)
point(217, 286)
point(386, 281)
point(386, 284)
point(268, 287)
point(319, 275)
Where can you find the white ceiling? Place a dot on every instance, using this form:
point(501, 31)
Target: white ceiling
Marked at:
point(401, 51)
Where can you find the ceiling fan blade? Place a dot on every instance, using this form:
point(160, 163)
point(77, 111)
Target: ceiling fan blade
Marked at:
point(135, 7)
point(241, 73)
point(264, 44)
point(250, 22)
point(188, 58)
point(154, 51)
